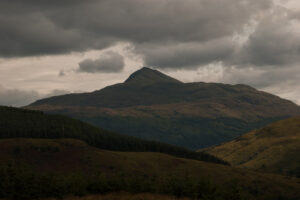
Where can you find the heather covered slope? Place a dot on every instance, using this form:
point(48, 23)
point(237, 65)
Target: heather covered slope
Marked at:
point(151, 105)
point(33, 168)
point(274, 148)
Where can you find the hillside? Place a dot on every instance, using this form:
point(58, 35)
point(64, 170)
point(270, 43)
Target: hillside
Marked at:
point(151, 105)
point(274, 148)
point(20, 123)
point(38, 168)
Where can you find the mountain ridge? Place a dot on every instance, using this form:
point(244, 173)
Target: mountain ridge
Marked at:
point(193, 115)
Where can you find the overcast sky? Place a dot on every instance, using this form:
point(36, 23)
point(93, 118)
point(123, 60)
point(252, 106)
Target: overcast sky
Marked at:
point(61, 46)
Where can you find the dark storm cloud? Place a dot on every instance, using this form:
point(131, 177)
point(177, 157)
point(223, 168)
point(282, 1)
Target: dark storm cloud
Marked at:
point(36, 34)
point(111, 62)
point(62, 26)
point(166, 33)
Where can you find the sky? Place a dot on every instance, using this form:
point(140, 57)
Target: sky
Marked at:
point(56, 47)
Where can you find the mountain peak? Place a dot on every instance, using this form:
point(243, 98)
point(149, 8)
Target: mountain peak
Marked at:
point(147, 75)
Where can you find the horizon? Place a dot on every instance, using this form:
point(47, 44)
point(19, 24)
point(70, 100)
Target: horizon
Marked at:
point(124, 81)
point(47, 50)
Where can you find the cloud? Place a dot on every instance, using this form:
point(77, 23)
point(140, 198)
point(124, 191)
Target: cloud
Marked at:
point(280, 81)
point(187, 55)
point(16, 97)
point(64, 26)
point(56, 92)
point(166, 33)
point(110, 62)
point(261, 77)
point(61, 73)
point(274, 43)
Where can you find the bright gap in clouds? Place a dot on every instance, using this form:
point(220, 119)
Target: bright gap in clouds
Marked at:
point(38, 77)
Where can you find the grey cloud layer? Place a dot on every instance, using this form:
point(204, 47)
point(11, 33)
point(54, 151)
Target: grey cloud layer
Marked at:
point(275, 42)
point(109, 63)
point(188, 55)
point(61, 26)
point(166, 33)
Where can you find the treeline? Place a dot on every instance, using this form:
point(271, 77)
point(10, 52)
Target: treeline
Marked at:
point(22, 123)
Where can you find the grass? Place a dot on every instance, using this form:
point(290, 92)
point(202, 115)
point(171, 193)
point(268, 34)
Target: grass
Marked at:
point(274, 148)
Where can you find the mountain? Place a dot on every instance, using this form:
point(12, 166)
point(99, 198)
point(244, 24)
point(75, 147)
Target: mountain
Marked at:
point(147, 76)
point(154, 106)
point(42, 168)
point(274, 148)
point(20, 123)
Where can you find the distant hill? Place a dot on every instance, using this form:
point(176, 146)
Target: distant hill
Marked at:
point(41, 168)
point(20, 123)
point(152, 105)
point(274, 148)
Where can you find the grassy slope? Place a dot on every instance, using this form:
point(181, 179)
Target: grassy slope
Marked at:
point(75, 166)
point(151, 105)
point(274, 148)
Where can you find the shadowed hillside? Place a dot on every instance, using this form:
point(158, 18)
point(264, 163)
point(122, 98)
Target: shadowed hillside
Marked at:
point(19, 123)
point(151, 105)
point(37, 168)
point(274, 148)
